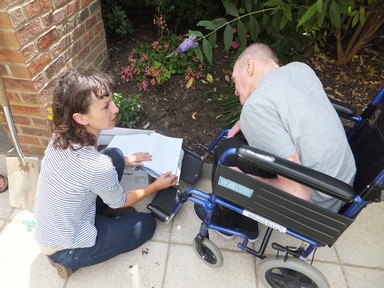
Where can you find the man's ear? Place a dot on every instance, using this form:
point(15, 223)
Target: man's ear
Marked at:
point(80, 118)
point(250, 66)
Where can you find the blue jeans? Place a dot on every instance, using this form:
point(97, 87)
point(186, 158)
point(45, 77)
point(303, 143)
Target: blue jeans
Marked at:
point(115, 235)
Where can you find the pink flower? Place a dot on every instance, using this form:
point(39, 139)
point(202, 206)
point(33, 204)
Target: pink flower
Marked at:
point(235, 45)
point(234, 30)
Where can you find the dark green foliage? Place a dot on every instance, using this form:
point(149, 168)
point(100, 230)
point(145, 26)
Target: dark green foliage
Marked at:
point(116, 21)
point(186, 13)
point(129, 109)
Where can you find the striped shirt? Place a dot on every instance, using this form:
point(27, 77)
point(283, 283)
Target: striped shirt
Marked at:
point(69, 183)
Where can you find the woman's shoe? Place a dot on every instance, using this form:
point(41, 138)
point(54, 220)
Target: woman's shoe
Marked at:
point(64, 272)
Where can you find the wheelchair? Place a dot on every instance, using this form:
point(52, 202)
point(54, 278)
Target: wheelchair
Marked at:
point(315, 226)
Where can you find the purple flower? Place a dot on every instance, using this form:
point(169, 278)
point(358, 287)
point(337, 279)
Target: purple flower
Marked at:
point(187, 44)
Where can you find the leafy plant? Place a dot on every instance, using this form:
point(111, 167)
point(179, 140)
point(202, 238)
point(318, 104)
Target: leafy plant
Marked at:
point(116, 20)
point(149, 64)
point(129, 109)
point(186, 13)
point(291, 29)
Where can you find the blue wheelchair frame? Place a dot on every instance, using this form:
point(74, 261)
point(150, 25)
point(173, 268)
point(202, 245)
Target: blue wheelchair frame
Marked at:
point(326, 226)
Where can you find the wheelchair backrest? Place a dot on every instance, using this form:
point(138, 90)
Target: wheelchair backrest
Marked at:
point(368, 148)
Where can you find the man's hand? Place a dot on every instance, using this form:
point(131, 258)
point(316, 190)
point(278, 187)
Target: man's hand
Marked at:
point(137, 158)
point(234, 130)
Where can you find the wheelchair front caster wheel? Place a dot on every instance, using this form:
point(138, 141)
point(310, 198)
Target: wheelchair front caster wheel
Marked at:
point(292, 273)
point(208, 252)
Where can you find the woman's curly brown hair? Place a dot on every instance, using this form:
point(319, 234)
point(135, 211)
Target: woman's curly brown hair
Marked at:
point(73, 94)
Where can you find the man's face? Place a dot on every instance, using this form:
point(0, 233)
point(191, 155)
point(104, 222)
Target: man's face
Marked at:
point(242, 81)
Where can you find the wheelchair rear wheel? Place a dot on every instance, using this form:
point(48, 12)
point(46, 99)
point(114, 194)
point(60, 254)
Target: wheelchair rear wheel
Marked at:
point(208, 252)
point(292, 273)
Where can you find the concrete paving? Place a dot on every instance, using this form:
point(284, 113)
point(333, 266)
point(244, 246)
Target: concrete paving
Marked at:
point(169, 260)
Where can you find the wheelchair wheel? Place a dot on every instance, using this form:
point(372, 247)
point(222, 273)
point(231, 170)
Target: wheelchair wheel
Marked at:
point(208, 252)
point(292, 273)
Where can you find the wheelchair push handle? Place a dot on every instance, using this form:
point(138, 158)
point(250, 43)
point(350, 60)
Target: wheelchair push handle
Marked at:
point(296, 172)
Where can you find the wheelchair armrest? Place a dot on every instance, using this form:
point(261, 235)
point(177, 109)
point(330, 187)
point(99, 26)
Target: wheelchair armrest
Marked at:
point(296, 172)
point(342, 108)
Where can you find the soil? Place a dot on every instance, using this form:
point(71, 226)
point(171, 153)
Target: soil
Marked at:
point(193, 114)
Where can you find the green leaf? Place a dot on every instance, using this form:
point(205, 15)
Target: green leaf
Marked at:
point(212, 39)
point(355, 20)
point(362, 19)
point(228, 37)
point(218, 22)
point(272, 3)
point(207, 48)
point(283, 22)
point(241, 31)
point(199, 54)
point(267, 23)
point(248, 5)
point(287, 11)
point(334, 14)
point(319, 5)
point(207, 24)
point(307, 15)
point(197, 33)
point(231, 8)
point(253, 28)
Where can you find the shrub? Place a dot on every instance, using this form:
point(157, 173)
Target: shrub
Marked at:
point(150, 64)
point(116, 22)
point(129, 109)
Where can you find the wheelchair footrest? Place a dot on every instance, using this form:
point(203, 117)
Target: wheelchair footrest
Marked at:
point(163, 204)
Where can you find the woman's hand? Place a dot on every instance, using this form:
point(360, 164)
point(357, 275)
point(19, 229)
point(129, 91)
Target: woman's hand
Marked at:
point(137, 158)
point(165, 180)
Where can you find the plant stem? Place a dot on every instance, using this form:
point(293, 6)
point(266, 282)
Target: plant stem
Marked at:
point(233, 20)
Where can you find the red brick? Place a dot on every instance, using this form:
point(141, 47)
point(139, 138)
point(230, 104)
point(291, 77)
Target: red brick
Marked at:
point(28, 140)
point(59, 15)
point(85, 3)
point(90, 22)
point(16, 17)
point(47, 40)
point(28, 32)
point(33, 98)
point(55, 67)
point(8, 39)
point(5, 21)
point(19, 71)
point(23, 120)
point(27, 110)
point(37, 7)
point(13, 97)
point(15, 56)
point(26, 130)
point(40, 63)
point(29, 52)
point(19, 85)
point(42, 123)
point(58, 3)
point(72, 7)
point(48, 19)
point(39, 81)
point(9, 3)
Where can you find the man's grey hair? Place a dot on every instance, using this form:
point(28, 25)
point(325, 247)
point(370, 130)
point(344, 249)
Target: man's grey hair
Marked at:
point(259, 52)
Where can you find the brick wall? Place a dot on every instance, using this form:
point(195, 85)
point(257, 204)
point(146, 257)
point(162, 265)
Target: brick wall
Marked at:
point(38, 39)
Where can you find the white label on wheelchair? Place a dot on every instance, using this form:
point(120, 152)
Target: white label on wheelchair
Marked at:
point(234, 186)
point(264, 221)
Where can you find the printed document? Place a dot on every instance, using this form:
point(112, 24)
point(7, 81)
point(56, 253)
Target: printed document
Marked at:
point(166, 152)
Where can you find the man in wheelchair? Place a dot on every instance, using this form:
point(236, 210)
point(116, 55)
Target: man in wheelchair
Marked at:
point(285, 112)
